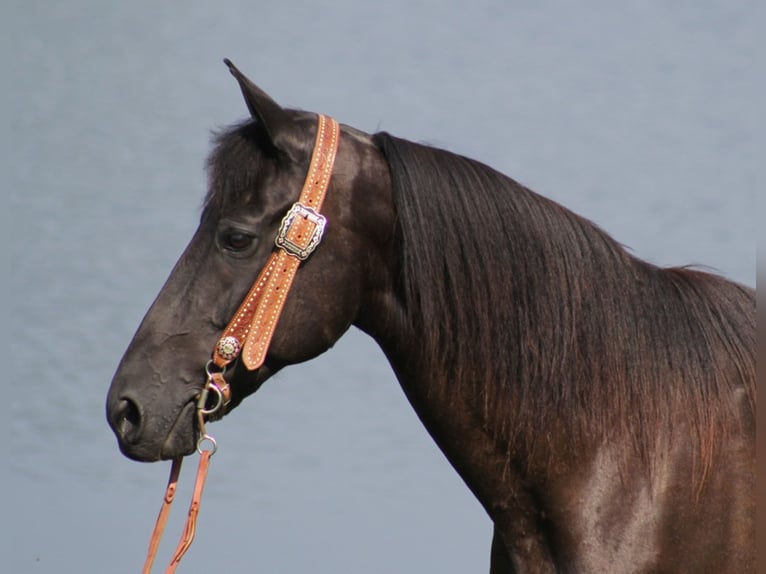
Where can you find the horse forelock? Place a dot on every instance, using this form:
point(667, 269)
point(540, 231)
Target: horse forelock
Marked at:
point(541, 319)
point(237, 166)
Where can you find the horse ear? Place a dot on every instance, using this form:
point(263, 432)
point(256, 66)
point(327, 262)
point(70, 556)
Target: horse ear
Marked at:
point(273, 117)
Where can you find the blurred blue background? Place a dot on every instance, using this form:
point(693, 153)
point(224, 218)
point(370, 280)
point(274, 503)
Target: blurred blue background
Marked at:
point(642, 116)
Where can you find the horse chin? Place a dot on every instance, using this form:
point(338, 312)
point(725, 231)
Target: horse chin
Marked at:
point(182, 438)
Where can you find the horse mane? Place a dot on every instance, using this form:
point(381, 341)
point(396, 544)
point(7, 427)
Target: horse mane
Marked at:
point(516, 297)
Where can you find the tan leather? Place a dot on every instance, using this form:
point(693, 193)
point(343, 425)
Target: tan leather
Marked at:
point(256, 319)
point(191, 520)
point(162, 518)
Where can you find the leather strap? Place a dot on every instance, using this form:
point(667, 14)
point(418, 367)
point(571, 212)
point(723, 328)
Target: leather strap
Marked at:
point(162, 518)
point(191, 520)
point(300, 232)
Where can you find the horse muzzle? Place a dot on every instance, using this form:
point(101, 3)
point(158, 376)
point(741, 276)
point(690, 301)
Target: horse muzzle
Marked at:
point(149, 436)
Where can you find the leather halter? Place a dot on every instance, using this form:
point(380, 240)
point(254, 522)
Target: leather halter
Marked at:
point(250, 331)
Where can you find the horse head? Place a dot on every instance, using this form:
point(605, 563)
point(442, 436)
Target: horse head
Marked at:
point(256, 173)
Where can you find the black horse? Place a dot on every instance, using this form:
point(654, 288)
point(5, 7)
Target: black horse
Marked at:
point(601, 409)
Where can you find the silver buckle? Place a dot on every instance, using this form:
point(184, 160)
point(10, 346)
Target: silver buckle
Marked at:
point(302, 252)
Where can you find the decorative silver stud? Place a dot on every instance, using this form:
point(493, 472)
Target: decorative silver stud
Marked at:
point(228, 348)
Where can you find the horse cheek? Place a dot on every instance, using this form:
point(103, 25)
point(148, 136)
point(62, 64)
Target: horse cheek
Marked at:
point(310, 325)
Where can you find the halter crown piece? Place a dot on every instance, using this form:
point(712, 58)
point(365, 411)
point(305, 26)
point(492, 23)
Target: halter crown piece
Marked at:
point(249, 333)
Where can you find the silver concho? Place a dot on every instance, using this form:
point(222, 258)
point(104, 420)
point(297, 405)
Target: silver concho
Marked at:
point(228, 348)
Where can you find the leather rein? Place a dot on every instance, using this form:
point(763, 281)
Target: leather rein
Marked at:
point(249, 333)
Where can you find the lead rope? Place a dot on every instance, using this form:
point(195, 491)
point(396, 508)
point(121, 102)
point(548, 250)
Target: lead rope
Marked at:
point(162, 518)
point(191, 520)
point(199, 484)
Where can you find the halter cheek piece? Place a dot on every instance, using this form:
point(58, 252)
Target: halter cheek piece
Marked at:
point(249, 333)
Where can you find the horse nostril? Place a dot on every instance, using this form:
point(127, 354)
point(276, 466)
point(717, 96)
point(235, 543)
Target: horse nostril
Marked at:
point(128, 417)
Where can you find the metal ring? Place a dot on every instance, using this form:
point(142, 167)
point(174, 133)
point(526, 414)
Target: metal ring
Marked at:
point(203, 399)
point(209, 369)
point(206, 437)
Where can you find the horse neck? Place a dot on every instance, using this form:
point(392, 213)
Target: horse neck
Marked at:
point(450, 419)
point(461, 380)
point(459, 349)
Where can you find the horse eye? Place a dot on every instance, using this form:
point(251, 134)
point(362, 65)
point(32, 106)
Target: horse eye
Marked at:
point(236, 241)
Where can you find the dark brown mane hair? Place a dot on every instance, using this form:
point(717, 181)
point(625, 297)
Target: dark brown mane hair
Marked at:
point(516, 296)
